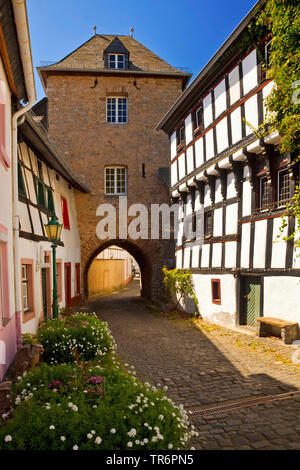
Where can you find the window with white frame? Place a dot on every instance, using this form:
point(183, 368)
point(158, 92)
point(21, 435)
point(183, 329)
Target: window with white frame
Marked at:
point(115, 181)
point(116, 61)
point(116, 110)
point(268, 54)
point(25, 288)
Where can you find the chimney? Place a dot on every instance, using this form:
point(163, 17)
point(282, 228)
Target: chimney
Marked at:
point(131, 32)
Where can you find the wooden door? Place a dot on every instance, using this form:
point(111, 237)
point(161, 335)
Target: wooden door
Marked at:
point(252, 299)
point(45, 294)
point(68, 284)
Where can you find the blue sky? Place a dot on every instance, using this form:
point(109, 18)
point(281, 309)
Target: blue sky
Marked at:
point(185, 33)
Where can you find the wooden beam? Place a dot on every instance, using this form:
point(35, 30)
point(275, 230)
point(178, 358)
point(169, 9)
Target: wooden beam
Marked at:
point(6, 63)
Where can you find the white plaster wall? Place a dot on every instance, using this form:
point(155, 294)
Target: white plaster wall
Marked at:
point(245, 245)
point(198, 205)
point(195, 256)
point(281, 297)
point(218, 216)
point(199, 152)
point(179, 259)
point(180, 233)
point(188, 206)
point(231, 219)
point(223, 314)
point(190, 159)
point(246, 199)
point(236, 125)
point(220, 98)
point(209, 141)
point(187, 254)
point(173, 144)
point(188, 129)
point(296, 254)
point(234, 85)
point(265, 92)
point(205, 256)
point(251, 114)
point(231, 192)
point(181, 165)
point(222, 135)
point(24, 217)
point(260, 242)
point(174, 177)
point(207, 110)
point(278, 245)
point(230, 254)
point(218, 193)
point(249, 65)
point(207, 200)
point(216, 255)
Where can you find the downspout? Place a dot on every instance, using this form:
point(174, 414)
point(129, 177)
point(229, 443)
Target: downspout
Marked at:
point(20, 14)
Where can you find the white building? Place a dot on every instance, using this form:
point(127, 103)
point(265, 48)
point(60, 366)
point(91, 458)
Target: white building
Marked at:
point(241, 183)
point(46, 186)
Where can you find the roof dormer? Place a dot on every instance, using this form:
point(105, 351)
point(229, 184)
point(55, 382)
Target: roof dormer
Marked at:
point(116, 56)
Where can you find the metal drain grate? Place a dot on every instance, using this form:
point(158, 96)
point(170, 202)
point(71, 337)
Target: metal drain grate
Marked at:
point(247, 402)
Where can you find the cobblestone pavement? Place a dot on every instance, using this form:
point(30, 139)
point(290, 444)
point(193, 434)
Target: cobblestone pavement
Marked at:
point(207, 365)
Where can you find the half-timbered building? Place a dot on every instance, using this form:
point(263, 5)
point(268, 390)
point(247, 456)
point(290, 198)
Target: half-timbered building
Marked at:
point(241, 270)
point(46, 186)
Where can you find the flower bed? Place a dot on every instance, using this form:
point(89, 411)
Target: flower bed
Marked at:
point(90, 407)
point(80, 336)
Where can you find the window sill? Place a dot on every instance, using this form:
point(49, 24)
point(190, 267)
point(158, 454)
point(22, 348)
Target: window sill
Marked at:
point(115, 195)
point(117, 123)
point(27, 316)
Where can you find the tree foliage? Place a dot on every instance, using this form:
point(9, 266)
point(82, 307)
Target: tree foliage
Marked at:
point(179, 284)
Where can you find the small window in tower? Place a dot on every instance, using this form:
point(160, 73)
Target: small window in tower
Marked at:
point(116, 110)
point(115, 181)
point(116, 61)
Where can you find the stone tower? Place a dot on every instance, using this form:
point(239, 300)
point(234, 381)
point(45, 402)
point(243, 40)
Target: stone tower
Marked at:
point(104, 102)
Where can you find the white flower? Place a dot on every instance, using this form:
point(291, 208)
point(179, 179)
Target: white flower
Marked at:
point(74, 408)
point(93, 432)
point(89, 436)
point(8, 438)
point(75, 447)
point(192, 448)
point(146, 440)
point(98, 440)
point(95, 406)
point(51, 427)
point(154, 439)
point(48, 407)
point(70, 404)
point(137, 442)
point(146, 425)
point(129, 444)
point(161, 417)
point(132, 433)
point(113, 431)
point(170, 446)
point(62, 438)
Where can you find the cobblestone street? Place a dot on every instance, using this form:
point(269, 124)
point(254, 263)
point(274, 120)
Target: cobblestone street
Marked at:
point(205, 365)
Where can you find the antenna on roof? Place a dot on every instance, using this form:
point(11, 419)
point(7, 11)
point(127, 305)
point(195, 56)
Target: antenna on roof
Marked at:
point(131, 32)
point(95, 30)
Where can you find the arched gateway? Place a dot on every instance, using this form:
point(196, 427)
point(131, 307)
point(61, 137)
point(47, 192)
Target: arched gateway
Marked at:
point(149, 255)
point(102, 113)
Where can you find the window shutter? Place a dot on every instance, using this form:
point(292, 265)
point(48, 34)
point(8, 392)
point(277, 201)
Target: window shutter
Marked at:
point(65, 213)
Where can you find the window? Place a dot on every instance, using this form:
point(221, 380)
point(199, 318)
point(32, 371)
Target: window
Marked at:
point(116, 110)
point(198, 118)
point(267, 54)
point(116, 61)
point(27, 289)
point(283, 187)
point(115, 180)
point(65, 213)
point(21, 184)
point(208, 224)
point(265, 193)
point(216, 291)
point(181, 136)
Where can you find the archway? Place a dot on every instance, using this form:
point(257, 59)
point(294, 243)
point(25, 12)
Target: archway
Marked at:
point(141, 258)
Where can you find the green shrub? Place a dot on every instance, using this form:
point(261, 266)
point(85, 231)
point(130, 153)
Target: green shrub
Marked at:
point(92, 407)
point(29, 338)
point(81, 337)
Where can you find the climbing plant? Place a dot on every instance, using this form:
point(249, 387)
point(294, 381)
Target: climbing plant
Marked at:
point(293, 210)
point(178, 284)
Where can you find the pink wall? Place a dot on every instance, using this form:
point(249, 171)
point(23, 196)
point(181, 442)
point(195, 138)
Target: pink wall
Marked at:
point(8, 337)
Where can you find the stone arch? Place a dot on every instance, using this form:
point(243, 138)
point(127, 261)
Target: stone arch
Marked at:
point(133, 249)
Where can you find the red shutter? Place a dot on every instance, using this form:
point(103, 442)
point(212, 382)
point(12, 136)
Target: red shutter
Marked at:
point(77, 271)
point(65, 213)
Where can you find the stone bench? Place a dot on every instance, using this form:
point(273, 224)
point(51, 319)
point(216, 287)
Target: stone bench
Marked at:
point(288, 330)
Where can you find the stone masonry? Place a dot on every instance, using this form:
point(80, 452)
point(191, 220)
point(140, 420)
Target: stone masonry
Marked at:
point(76, 92)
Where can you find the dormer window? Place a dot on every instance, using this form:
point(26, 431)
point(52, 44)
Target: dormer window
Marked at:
point(116, 61)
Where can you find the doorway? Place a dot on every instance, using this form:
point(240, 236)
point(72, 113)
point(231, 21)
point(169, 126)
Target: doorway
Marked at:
point(68, 284)
point(252, 300)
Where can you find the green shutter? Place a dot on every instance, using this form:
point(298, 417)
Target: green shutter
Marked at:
point(41, 194)
point(50, 201)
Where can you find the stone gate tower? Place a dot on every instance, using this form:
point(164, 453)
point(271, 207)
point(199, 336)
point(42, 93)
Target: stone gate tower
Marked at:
point(104, 102)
